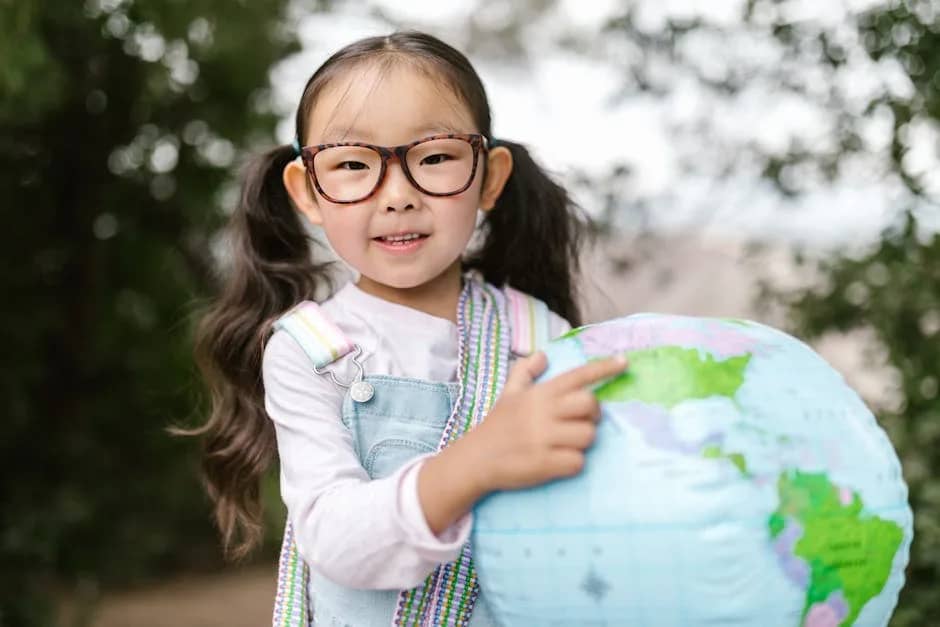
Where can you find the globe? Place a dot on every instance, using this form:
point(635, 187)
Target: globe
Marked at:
point(736, 479)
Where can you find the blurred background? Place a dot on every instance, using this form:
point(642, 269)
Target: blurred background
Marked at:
point(769, 159)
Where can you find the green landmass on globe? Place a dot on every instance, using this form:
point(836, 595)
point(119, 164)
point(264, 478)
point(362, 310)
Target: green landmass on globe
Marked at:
point(848, 551)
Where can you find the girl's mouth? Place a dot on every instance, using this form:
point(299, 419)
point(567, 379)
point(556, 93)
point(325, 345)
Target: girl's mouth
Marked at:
point(404, 242)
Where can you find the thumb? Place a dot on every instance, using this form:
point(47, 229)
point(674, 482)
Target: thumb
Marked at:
point(525, 371)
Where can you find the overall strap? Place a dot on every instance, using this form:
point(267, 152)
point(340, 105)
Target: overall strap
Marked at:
point(324, 343)
point(529, 320)
point(447, 596)
point(291, 603)
point(492, 323)
point(320, 338)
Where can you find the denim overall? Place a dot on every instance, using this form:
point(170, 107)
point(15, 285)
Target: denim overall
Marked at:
point(403, 419)
point(395, 420)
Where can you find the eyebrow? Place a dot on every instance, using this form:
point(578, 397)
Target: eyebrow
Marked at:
point(341, 133)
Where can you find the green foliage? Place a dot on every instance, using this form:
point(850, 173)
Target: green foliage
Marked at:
point(908, 32)
point(120, 125)
point(894, 290)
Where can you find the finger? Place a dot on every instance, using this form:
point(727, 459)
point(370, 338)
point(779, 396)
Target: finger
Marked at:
point(587, 374)
point(573, 435)
point(524, 371)
point(578, 405)
point(566, 462)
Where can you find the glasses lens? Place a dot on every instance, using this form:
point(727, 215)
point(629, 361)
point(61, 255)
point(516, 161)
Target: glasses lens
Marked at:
point(347, 172)
point(441, 166)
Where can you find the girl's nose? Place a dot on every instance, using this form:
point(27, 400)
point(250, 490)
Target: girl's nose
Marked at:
point(396, 193)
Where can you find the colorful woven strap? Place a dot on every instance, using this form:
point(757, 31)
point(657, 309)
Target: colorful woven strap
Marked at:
point(530, 321)
point(322, 340)
point(290, 602)
point(448, 595)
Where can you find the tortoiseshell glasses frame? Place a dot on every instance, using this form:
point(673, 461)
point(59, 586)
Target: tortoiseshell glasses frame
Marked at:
point(477, 142)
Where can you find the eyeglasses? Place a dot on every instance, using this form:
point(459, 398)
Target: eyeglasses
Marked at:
point(439, 165)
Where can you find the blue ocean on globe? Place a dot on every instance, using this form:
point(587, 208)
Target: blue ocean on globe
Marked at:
point(735, 480)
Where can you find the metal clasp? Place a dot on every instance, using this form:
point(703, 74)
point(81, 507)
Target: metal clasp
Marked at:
point(359, 390)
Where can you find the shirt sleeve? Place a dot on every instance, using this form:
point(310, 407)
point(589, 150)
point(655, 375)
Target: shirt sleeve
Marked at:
point(358, 532)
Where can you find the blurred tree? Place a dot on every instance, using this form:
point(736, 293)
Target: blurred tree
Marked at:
point(815, 98)
point(121, 121)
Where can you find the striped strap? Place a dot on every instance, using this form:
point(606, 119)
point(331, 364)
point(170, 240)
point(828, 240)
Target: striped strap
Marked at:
point(320, 338)
point(290, 603)
point(530, 322)
point(447, 597)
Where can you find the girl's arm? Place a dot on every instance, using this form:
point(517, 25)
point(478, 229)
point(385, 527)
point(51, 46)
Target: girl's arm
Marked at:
point(450, 483)
point(356, 531)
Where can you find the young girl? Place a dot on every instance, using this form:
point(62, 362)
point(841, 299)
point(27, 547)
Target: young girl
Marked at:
point(374, 399)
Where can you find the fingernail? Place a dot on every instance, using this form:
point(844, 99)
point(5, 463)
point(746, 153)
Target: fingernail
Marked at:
point(620, 360)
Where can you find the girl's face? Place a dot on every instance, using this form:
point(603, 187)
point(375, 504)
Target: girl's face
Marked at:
point(398, 108)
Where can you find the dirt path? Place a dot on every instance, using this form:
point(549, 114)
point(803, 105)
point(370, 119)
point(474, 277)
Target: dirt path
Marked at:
point(239, 599)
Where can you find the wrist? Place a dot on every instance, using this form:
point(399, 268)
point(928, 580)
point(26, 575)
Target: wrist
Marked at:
point(450, 483)
point(478, 468)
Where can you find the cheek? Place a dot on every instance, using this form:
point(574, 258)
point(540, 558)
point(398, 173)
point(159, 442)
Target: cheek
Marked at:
point(463, 223)
point(343, 229)
point(467, 204)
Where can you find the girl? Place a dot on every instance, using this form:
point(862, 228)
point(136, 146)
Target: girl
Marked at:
point(374, 399)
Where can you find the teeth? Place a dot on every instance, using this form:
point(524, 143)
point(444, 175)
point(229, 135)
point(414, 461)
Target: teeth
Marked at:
point(401, 238)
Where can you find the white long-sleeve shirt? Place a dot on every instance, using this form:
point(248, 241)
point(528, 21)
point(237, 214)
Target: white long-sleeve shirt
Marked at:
point(359, 532)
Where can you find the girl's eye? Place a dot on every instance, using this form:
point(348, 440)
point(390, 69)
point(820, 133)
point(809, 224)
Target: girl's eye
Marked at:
point(435, 159)
point(351, 165)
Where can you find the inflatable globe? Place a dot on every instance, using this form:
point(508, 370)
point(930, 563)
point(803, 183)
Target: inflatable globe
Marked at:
point(735, 480)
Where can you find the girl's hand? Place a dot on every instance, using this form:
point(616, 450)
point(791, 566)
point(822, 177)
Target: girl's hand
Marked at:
point(538, 432)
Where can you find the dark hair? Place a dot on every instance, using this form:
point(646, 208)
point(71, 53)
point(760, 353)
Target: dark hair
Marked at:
point(531, 241)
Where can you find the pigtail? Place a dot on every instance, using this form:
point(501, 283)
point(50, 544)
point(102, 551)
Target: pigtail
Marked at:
point(533, 236)
point(269, 270)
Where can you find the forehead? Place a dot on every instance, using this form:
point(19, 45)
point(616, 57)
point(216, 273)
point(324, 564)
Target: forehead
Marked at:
point(386, 104)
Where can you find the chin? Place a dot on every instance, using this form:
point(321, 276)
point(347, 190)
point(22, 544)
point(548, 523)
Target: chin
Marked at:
point(400, 281)
point(403, 284)
point(407, 279)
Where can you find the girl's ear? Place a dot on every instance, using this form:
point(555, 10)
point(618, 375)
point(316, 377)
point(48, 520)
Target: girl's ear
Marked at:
point(297, 183)
point(498, 169)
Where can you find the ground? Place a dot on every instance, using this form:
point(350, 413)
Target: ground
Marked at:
point(241, 598)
